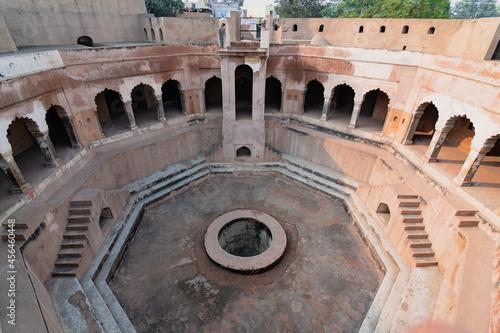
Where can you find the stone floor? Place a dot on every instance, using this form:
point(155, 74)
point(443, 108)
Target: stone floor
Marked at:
point(325, 282)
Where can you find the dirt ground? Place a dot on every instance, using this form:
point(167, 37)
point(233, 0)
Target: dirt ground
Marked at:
point(325, 282)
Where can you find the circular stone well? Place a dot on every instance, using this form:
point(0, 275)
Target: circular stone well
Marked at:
point(245, 240)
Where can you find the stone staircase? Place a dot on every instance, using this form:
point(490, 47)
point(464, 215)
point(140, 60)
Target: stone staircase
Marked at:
point(74, 239)
point(417, 238)
point(466, 218)
point(271, 154)
point(20, 231)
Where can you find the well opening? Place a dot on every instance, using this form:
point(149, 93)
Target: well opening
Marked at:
point(245, 237)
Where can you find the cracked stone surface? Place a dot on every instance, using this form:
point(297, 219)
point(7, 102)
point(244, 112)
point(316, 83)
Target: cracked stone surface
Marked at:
point(325, 282)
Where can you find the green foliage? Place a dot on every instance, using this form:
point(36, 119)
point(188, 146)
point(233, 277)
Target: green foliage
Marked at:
point(471, 9)
point(388, 8)
point(164, 8)
point(299, 8)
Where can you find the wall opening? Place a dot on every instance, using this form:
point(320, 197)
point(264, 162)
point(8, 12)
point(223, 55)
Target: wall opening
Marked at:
point(60, 134)
point(273, 95)
point(431, 31)
point(374, 110)
point(461, 135)
point(161, 35)
point(496, 53)
point(361, 28)
point(111, 112)
point(213, 95)
point(105, 218)
point(382, 29)
point(426, 124)
point(404, 47)
point(342, 103)
point(243, 152)
point(243, 85)
point(294, 27)
point(144, 105)
point(384, 213)
point(321, 27)
point(85, 40)
point(275, 27)
point(145, 34)
point(405, 30)
point(172, 99)
point(153, 36)
point(314, 99)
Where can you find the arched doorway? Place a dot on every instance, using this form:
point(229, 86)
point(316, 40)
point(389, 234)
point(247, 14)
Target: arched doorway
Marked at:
point(144, 105)
point(172, 99)
point(243, 152)
point(61, 131)
point(342, 104)
point(273, 95)
point(426, 125)
point(213, 95)
point(314, 99)
point(111, 112)
point(243, 86)
point(374, 110)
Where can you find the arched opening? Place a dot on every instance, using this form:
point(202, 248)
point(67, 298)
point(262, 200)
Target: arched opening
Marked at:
point(294, 27)
point(384, 212)
point(488, 172)
point(111, 112)
point(145, 34)
point(105, 218)
point(314, 99)
point(342, 104)
point(382, 29)
point(405, 30)
point(213, 94)
point(321, 27)
point(60, 132)
point(85, 40)
point(153, 36)
point(243, 152)
point(243, 84)
point(172, 99)
point(26, 150)
point(431, 31)
point(426, 125)
point(161, 35)
point(374, 110)
point(275, 27)
point(144, 105)
point(273, 95)
point(361, 28)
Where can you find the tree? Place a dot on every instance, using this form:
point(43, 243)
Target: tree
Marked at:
point(299, 8)
point(388, 8)
point(471, 9)
point(164, 8)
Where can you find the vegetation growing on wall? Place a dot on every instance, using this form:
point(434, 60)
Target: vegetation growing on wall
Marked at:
point(164, 8)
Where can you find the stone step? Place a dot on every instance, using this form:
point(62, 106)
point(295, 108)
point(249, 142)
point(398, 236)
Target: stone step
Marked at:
point(422, 251)
point(79, 218)
point(407, 196)
point(412, 218)
point(19, 234)
point(412, 234)
point(65, 271)
point(18, 224)
point(80, 210)
point(77, 226)
point(80, 202)
point(74, 242)
point(467, 221)
point(414, 226)
point(82, 234)
point(419, 242)
point(410, 210)
point(70, 252)
point(68, 262)
point(425, 261)
point(466, 212)
point(409, 203)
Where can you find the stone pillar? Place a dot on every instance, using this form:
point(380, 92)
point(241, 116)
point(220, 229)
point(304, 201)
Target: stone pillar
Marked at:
point(302, 102)
point(160, 110)
point(412, 128)
point(436, 143)
point(471, 164)
point(68, 127)
point(130, 114)
point(355, 114)
point(13, 174)
point(47, 148)
point(326, 107)
point(183, 102)
point(203, 107)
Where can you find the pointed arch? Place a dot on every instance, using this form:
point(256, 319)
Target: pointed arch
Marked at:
point(144, 105)
point(243, 152)
point(374, 109)
point(213, 94)
point(111, 113)
point(61, 130)
point(273, 95)
point(425, 120)
point(243, 86)
point(172, 98)
point(314, 98)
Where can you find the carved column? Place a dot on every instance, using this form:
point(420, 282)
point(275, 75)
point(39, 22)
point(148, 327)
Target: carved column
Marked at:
point(471, 164)
point(130, 114)
point(48, 151)
point(302, 102)
point(436, 143)
point(13, 174)
point(183, 102)
point(355, 114)
point(326, 107)
point(160, 110)
point(68, 127)
point(412, 128)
